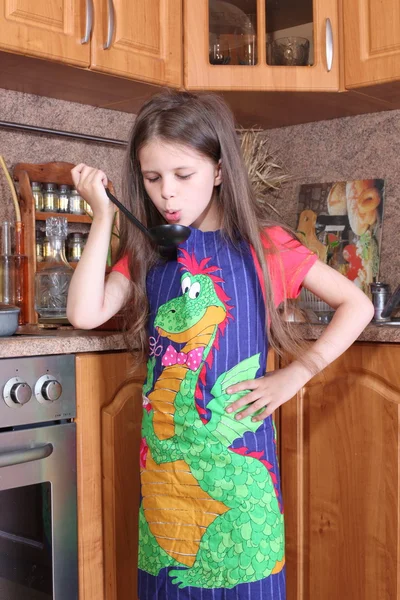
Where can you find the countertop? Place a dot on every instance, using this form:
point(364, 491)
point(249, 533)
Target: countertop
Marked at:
point(38, 342)
point(34, 341)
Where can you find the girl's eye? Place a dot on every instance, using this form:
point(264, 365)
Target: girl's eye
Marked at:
point(152, 180)
point(194, 291)
point(184, 176)
point(185, 285)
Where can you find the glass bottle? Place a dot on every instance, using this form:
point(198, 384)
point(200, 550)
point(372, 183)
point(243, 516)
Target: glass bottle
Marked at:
point(248, 42)
point(50, 198)
point(76, 203)
point(7, 266)
point(63, 198)
point(76, 243)
point(52, 283)
point(37, 195)
point(21, 273)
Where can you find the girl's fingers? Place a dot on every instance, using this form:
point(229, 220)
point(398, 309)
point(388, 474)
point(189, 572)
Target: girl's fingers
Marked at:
point(246, 399)
point(253, 408)
point(250, 384)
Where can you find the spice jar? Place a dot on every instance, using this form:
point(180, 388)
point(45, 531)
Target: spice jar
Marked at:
point(50, 198)
point(76, 203)
point(63, 198)
point(88, 209)
point(76, 244)
point(39, 247)
point(46, 249)
point(37, 195)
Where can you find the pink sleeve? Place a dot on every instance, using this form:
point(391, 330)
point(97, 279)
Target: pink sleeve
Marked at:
point(121, 266)
point(289, 266)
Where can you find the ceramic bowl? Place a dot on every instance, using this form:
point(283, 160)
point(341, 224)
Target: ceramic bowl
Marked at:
point(8, 319)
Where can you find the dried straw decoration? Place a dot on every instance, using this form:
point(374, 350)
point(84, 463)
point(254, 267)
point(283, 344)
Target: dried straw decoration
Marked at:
point(266, 176)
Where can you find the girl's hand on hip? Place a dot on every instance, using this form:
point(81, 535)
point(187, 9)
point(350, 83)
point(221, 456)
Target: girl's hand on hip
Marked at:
point(266, 394)
point(90, 183)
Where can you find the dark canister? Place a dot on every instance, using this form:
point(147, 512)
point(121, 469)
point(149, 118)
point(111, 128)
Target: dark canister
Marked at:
point(380, 295)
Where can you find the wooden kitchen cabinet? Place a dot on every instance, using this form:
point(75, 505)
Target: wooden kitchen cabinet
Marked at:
point(372, 42)
point(218, 35)
point(50, 30)
point(340, 459)
point(144, 40)
point(109, 414)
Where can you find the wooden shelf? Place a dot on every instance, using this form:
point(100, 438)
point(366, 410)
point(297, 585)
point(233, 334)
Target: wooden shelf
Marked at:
point(42, 216)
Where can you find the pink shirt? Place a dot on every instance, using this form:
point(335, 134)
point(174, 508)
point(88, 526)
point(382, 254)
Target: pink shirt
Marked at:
point(287, 268)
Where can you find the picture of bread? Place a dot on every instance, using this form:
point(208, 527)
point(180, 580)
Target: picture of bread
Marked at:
point(345, 218)
point(363, 198)
point(337, 201)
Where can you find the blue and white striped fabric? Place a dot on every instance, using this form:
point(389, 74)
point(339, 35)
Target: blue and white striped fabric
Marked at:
point(244, 337)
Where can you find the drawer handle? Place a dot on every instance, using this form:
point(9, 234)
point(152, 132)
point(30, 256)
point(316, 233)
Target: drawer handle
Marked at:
point(20, 457)
point(329, 45)
point(110, 33)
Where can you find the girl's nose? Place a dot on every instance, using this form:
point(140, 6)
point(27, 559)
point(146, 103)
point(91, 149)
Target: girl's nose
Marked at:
point(168, 190)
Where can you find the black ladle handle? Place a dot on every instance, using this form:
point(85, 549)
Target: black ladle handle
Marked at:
point(127, 213)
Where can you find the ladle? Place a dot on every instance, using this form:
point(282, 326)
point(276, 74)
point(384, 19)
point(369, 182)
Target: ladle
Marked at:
point(162, 235)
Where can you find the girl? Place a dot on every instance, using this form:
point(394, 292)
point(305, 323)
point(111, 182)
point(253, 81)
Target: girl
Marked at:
point(211, 516)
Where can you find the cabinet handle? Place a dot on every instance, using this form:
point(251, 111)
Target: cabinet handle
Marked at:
point(110, 25)
point(329, 45)
point(89, 21)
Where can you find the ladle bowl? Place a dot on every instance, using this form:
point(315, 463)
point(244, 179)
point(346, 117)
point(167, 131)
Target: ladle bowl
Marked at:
point(162, 235)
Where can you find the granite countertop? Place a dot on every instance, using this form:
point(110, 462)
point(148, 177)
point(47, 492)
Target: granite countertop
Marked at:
point(373, 333)
point(31, 341)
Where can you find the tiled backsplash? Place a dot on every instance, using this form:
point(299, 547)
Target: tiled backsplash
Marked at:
point(361, 147)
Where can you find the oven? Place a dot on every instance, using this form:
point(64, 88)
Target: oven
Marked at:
point(38, 501)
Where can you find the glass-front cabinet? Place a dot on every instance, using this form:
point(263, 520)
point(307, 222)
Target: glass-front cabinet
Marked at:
point(262, 45)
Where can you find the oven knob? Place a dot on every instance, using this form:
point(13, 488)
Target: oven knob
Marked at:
point(16, 392)
point(47, 389)
point(20, 393)
point(51, 390)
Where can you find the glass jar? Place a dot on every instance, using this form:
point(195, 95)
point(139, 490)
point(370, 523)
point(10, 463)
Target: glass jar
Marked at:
point(46, 249)
point(63, 198)
point(52, 283)
point(7, 266)
point(50, 197)
point(37, 195)
point(88, 209)
point(76, 244)
point(39, 247)
point(76, 203)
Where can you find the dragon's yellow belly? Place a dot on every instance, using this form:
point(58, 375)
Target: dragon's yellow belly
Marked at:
point(177, 510)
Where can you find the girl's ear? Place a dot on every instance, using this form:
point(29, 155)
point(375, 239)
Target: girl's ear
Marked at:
point(218, 174)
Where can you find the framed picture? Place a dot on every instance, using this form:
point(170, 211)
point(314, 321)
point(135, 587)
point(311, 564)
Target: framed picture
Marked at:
point(342, 223)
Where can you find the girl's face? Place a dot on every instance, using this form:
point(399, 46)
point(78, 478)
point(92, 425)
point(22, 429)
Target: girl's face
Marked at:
point(181, 184)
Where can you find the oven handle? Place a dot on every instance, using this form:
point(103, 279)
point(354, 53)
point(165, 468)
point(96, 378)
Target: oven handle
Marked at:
point(18, 457)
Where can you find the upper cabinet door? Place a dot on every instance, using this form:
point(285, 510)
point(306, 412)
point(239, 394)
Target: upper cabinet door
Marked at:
point(275, 45)
point(139, 40)
point(372, 42)
point(49, 29)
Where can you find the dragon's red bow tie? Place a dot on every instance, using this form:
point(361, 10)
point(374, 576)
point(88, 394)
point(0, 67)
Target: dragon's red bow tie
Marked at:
point(192, 359)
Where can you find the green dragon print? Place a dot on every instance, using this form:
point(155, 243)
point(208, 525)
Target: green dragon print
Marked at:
point(233, 531)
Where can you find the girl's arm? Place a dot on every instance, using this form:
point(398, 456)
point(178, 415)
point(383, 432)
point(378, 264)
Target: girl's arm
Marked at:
point(354, 311)
point(91, 300)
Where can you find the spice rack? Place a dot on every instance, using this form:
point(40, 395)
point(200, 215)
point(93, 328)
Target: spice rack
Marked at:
point(58, 173)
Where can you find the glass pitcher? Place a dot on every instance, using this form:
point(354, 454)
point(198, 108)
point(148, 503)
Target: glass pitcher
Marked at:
point(52, 282)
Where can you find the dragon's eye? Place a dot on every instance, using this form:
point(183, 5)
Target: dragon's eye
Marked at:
point(194, 290)
point(185, 285)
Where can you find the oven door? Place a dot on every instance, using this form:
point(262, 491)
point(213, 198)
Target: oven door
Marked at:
point(38, 513)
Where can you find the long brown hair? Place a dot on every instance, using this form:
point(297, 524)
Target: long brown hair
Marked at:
point(204, 123)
